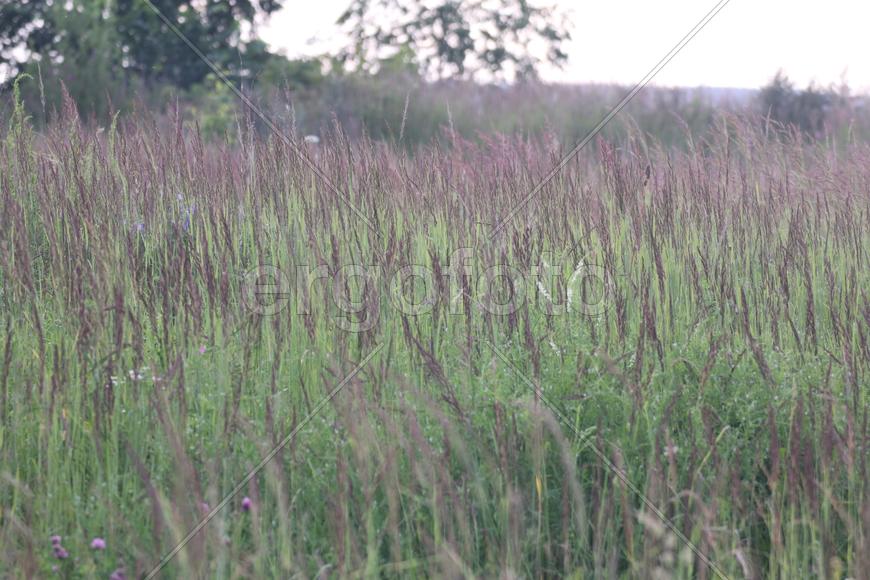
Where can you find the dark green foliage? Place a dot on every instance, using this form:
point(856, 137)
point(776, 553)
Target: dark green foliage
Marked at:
point(811, 109)
point(25, 23)
point(141, 44)
point(456, 39)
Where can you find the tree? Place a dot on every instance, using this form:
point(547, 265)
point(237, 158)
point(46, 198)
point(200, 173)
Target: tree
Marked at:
point(80, 54)
point(23, 28)
point(142, 43)
point(776, 98)
point(454, 38)
point(807, 109)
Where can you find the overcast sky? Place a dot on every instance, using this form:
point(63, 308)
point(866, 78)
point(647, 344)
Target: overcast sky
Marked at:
point(620, 40)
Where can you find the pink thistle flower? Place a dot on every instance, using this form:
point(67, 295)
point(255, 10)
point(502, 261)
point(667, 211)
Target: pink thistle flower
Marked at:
point(118, 574)
point(98, 544)
point(202, 349)
point(55, 540)
point(246, 504)
point(60, 553)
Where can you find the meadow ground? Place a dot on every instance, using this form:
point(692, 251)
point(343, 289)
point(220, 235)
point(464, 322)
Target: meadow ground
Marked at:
point(657, 367)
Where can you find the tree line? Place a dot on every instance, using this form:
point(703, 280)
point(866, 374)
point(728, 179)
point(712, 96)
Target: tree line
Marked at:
point(108, 54)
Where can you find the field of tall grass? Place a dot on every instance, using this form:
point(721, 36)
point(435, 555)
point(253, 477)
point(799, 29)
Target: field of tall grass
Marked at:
point(370, 362)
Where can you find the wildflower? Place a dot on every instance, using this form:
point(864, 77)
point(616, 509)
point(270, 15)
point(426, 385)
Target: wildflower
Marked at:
point(98, 544)
point(555, 348)
point(60, 553)
point(246, 504)
point(202, 349)
point(118, 574)
point(205, 507)
point(55, 540)
point(135, 226)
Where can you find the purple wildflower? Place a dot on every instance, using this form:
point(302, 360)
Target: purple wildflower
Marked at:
point(55, 540)
point(202, 349)
point(98, 544)
point(205, 507)
point(118, 574)
point(246, 504)
point(60, 553)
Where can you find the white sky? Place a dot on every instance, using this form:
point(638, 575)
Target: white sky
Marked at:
point(620, 40)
